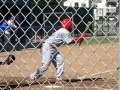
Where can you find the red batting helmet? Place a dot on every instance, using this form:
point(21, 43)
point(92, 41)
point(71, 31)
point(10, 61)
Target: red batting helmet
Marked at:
point(67, 23)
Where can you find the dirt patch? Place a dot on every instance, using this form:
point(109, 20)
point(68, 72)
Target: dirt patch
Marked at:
point(92, 61)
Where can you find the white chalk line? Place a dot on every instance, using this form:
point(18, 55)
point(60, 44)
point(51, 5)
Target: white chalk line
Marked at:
point(52, 86)
point(86, 77)
point(55, 86)
point(96, 75)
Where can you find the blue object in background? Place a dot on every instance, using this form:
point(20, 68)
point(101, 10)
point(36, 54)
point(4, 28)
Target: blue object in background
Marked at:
point(4, 26)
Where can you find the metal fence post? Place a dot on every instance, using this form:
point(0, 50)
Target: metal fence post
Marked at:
point(119, 49)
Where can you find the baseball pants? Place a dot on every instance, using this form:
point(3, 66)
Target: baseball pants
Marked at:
point(51, 55)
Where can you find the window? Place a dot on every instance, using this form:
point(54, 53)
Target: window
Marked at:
point(76, 4)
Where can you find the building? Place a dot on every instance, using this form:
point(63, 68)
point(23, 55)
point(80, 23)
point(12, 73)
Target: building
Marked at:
point(104, 8)
point(112, 6)
point(76, 3)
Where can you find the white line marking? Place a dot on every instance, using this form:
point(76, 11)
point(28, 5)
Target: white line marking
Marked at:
point(52, 86)
point(97, 75)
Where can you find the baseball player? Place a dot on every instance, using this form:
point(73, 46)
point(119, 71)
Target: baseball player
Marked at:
point(7, 25)
point(6, 29)
point(50, 54)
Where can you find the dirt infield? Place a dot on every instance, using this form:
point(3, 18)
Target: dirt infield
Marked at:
point(85, 62)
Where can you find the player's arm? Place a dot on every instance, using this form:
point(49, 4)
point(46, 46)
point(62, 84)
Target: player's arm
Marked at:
point(12, 25)
point(80, 39)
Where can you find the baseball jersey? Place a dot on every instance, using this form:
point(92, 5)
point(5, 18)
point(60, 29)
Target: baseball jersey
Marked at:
point(61, 36)
point(4, 25)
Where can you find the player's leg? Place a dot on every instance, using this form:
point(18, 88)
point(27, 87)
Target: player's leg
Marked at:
point(40, 71)
point(59, 67)
point(7, 40)
point(45, 64)
point(1, 42)
point(46, 61)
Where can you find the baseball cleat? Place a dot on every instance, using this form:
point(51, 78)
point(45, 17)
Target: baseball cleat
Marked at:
point(61, 82)
point(34, 76)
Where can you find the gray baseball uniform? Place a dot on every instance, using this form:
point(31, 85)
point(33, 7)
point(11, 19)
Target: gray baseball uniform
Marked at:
point(50, 54)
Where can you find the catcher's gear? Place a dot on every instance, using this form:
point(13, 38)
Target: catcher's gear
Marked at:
point(9, 59)
point(67, 23)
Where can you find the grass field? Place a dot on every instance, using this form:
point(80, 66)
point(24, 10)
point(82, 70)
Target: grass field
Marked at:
point(100, 40)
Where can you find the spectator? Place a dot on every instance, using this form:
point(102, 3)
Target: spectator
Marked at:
point(6, 28)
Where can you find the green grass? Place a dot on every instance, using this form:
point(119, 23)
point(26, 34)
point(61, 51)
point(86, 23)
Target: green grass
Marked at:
point(100, 40)
point(95, 40)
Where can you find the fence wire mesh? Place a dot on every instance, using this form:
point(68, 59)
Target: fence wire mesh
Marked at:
point(90, 61)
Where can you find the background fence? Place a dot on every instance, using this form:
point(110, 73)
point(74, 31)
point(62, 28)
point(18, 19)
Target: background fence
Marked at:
point(89, 66)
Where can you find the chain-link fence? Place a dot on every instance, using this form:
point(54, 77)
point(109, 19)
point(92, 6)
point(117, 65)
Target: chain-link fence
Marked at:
point(31, 38)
